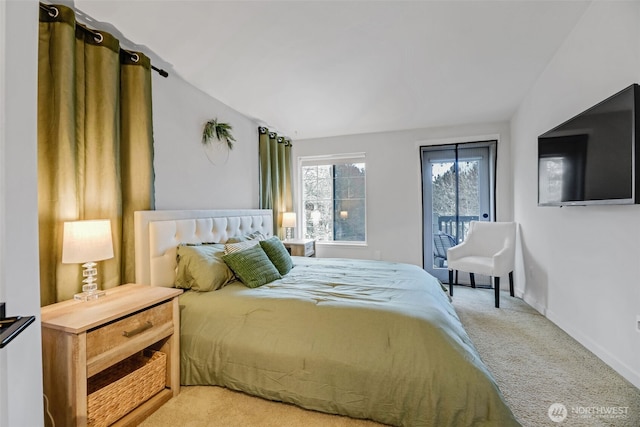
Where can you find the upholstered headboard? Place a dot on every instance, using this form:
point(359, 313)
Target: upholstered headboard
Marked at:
point(158, 234)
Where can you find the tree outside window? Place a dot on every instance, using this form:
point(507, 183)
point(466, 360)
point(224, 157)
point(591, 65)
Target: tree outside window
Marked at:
point(466, 195)
point(333, 200)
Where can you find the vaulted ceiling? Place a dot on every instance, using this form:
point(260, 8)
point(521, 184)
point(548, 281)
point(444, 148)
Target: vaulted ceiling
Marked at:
point(323, 68)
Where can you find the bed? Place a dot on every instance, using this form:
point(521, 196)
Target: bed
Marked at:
point(366, 339)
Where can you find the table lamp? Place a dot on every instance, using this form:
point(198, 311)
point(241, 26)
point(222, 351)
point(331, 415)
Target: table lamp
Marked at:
point(85, 242)
point(289, 223)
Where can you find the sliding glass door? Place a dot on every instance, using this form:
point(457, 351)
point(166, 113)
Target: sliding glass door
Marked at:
point(457, 188)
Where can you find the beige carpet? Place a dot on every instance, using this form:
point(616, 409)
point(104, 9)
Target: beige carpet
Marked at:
point(534, 363)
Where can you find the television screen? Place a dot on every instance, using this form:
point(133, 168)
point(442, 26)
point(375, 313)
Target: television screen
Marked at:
point(590, 159)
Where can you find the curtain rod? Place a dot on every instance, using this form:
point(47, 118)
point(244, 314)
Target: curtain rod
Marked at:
point(97, 36)
point(162, 72)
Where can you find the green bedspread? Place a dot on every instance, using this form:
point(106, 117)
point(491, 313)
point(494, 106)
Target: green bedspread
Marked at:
point(366, 339)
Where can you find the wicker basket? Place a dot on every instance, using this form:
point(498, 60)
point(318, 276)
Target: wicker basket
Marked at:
point(117, 390)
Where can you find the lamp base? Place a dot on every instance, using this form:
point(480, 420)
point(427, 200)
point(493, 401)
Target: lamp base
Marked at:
point(90, 289)
point(89, 296)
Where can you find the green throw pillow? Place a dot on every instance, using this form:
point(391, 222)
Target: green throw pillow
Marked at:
point(278, 254)
point(201, 268)
point(252, 266)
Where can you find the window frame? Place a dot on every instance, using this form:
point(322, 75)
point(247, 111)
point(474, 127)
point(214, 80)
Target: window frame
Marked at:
point(329, 159)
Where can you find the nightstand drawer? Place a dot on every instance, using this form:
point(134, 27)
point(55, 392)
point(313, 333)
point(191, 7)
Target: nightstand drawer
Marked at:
point(115, 341)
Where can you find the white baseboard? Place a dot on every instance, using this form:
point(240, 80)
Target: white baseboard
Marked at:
point(537, 305)
point(628, 373)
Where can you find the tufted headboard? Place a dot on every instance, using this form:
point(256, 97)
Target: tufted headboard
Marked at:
point(158, 234)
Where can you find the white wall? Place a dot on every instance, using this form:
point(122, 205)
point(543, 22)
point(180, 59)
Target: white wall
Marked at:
point(581, 264)
point(187, 175)
point(394, 185)
point(3, 359)
point(20, 361)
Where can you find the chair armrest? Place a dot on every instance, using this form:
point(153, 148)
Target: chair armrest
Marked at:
point(503, 261)
point(458, 251)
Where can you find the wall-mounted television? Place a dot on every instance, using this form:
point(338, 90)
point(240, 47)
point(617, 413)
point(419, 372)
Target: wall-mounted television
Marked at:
point(591, 158)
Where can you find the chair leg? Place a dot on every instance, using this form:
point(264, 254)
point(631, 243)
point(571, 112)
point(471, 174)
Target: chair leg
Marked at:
point(451, 282)
point(456, 282)
point(511, 283)
point(473, 280)
point(496, 285)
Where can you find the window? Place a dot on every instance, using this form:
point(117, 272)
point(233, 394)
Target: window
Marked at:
point(333, 198)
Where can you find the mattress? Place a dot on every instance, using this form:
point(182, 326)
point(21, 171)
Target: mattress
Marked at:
point(366, 339)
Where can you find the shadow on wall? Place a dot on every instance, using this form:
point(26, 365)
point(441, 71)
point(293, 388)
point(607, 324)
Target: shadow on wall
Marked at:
point(533, 279)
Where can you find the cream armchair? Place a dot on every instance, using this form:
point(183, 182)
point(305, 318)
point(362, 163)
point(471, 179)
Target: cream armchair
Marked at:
point(489, 249)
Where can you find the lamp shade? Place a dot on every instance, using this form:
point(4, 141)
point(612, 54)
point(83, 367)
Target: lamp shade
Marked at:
point(289, 219)
point(86, 241)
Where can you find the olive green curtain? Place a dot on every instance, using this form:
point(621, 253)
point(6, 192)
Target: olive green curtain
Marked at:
point(275, 176)
point(95, 147)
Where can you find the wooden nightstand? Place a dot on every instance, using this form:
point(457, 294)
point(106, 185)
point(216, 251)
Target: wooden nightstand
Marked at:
point(301, 247)
point(81, 339)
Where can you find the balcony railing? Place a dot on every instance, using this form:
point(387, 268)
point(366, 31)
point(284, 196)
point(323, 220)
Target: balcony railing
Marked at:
point(447, 225)
point(447, 234)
